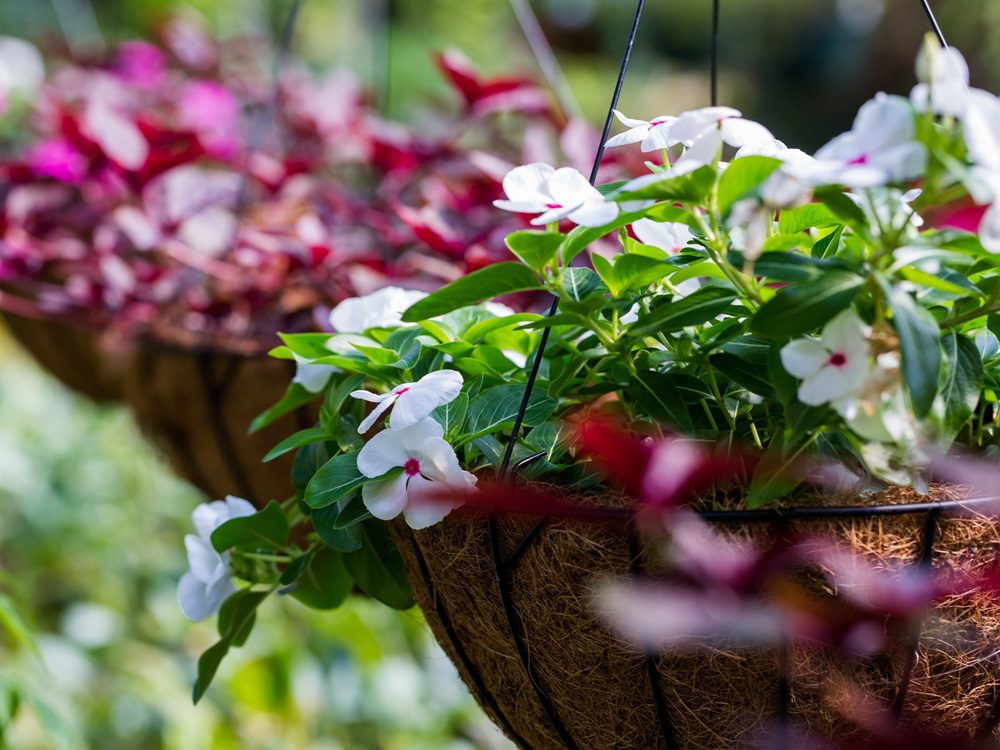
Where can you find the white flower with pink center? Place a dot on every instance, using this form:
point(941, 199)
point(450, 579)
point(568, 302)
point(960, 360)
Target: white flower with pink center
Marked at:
point(412, 402)
point(880, 148)
point(669, 236)
point(834, 368)
point(556, 194)
point(652, 134)
point(407, 466)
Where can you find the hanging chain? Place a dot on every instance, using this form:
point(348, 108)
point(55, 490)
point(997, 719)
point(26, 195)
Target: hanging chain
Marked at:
point(540, 350)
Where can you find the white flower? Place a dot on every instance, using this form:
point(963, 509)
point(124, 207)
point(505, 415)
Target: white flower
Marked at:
point(425, 458)
point(944, 82)
point(556, 194)
point(751, 223)
point(705, 130)
point(202, 589)
point(21, 67)
point(653, 134)
point(834, 368)
point(310, 376)
point(669, 236)
point(381, 309)
point(880, 148)
point(413, 401)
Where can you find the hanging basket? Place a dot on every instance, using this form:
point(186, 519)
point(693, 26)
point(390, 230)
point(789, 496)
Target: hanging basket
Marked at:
point(197, 404)
point(521, 628)
point(72, 353)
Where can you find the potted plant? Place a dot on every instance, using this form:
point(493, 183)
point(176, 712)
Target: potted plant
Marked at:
point(836, 310)
point(170, 210)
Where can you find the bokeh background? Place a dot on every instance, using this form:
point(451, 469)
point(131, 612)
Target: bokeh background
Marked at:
point(91, 522)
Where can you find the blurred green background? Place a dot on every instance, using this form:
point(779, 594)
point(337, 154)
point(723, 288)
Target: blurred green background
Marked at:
point(92, 643)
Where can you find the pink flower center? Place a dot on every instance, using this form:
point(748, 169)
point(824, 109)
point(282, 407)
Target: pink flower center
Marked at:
point(412, 467)
point(862, 159)
point(838, 359)
point(400, 391)
point(551, 206)
point(660, 121)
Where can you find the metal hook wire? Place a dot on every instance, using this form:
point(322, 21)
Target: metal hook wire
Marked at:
point(540, 350)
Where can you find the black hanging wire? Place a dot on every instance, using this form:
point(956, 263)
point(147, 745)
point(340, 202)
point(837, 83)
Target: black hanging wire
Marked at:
point(934, 23)
point(714, 47)
point(540, 350)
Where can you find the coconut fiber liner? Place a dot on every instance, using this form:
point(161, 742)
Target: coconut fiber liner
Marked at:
point(585, 689)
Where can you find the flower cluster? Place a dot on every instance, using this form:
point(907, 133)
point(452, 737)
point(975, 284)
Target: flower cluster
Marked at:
point(156, 191)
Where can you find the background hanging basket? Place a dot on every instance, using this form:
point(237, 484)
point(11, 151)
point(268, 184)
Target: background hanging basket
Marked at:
point(586, 689)
point(196, 405)
point(72, 353)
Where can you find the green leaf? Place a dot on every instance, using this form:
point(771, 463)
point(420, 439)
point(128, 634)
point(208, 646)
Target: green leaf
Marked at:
point(920, 345)
point(829, 245)
point(657, 395)
point(742, 373)
point(307, 462)
point(336, 479)
point(962, 383)
point(267, 529)
point(377, 568)
point(236, 619)
point(554, 438)
point(451, 416)
point(630, 271)
point(772, 480)
point(580, 238)
point(742, 177)
point(793, 220)
point(298, 440)
point(785, 384)
point(478, 286)
point(535, 249)
point(237, 615)
point(579, 283)
point(325, 583)
point(791, 266)
point(703, 305)
point(692, 187)
point(295, 397)
point(843, 208)
point(335, 398)
point(802, 308)
point(496, 408)
point(342, 540)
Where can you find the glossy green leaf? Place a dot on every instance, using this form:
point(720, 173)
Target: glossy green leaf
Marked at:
point(535, 249)
point(743, 177)
point(451, 416)
point(265, 529)
point(377, 568)
point(496, 408)
point(325, 583)
point(801, 308)
point(296, 441)
point(920, 345)
point(692, 187)
point(699, 307)
point(294, 398)
point(657, 395)
point(336, 479)
point(962, 382)
point(478, 286)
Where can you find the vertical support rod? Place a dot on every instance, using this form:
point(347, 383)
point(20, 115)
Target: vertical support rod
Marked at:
point(540, 350)
point(934, 23)
point(714, 47)
point(923, 563)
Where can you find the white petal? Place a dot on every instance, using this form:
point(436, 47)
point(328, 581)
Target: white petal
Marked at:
point(372, 398)
point(883, 122)
point(629, 122)
point(520, 207)
point(237, 507)
point(207, 517)
point(668, 236)
point(704, 150)
point(691, 125)
point(803, 358)
point(199, 601)
point(981, 128)
point(659, 137)
point(628, 137)
point(846, 333)
point(570, 188)
point(312, 377)
point(595, 213)
point(422, 512)
point(378, 411)
point(829, 384)
point(989, 229)
point(555, 214)
point(203, 560)
point(385, 499)
point(740, 133)
point(528, 183)
point(431, 391)
point(906, 161)
point(438, 461)
point(382, 454)
point(415, 437)
point(381, 309)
